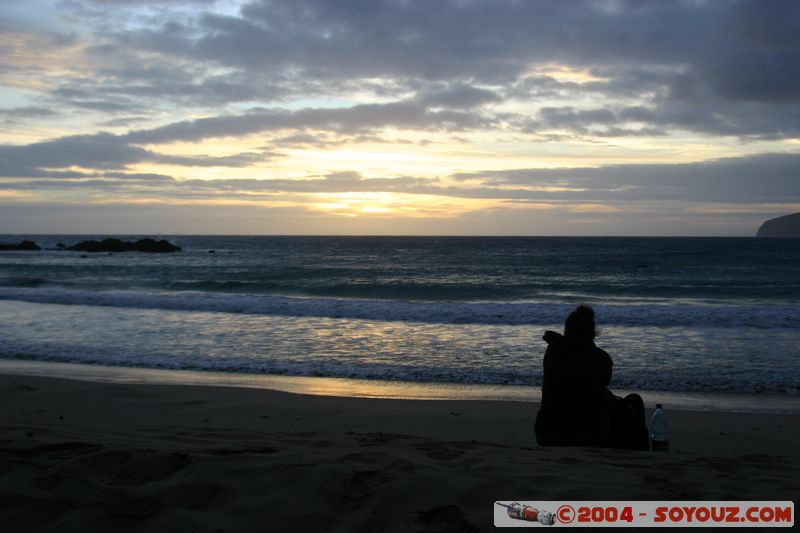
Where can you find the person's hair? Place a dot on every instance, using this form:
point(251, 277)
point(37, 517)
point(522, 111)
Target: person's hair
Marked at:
point(580, 324)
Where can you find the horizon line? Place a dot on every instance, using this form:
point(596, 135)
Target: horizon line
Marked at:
point(436, 235)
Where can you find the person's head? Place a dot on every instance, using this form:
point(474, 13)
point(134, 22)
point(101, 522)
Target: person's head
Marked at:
point(580, 324)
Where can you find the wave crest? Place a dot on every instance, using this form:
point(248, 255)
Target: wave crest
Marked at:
point(766, 316)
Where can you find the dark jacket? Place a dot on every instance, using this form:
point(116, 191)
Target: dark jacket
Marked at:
point(575, 397)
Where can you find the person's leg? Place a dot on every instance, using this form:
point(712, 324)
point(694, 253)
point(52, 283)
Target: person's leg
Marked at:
point(635, 403)
point(639, 437)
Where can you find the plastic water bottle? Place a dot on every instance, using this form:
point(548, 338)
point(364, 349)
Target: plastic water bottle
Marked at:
point(659, 430)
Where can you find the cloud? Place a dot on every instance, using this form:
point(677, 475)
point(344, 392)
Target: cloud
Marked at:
point(123, 121)
point(242, 159)
point(103, 182)
point(754, 120)
point(737, 77)
point(494, 41)
point(758, 178)
point(102, 151)
point(458, 96)
point(28, 112)
point(352, 120)
point(354, 124)
point(335, 182)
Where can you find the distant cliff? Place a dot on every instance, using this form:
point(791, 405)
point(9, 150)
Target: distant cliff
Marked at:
point(785, 226)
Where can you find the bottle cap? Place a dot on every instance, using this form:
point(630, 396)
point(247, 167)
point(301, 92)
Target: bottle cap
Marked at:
point(658, 406)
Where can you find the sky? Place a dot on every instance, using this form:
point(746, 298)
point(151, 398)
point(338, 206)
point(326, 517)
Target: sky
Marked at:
point(443, 117)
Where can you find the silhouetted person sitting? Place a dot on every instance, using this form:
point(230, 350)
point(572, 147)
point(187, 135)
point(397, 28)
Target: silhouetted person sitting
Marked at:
point(577, 407)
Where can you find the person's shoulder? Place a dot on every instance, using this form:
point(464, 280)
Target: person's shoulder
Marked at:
point(600, 350)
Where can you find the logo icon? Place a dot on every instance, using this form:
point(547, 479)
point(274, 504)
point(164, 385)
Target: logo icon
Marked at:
point(529, 514)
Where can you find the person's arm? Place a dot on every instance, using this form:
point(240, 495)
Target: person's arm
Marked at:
point(550, 336)
point(605, 366)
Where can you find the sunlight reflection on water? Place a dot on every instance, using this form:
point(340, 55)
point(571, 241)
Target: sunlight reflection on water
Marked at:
point(677, 359)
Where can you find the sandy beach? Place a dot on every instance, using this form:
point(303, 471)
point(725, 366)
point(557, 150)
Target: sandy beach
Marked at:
point(82, 456)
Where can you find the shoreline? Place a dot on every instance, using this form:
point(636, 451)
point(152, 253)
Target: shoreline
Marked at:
point(82, 455)
point(382, 389)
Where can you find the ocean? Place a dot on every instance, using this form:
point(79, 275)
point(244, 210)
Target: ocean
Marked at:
point(701, 315)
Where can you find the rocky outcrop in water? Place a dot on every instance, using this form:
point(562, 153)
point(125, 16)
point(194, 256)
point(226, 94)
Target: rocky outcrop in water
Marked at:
point(24, 246)
point(785, 226)
point(117, 245)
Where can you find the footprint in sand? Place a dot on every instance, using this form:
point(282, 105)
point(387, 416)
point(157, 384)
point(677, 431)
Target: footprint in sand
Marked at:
point(439, 451)
point(358, 486)
point(185, 495)
point(376, 439)
point(116, 468)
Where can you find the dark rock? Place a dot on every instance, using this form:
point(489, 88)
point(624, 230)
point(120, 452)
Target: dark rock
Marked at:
point(785, 226)
point(116, 245)
point(23, 246)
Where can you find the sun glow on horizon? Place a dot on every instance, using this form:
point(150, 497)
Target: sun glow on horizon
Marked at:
point(383, 204)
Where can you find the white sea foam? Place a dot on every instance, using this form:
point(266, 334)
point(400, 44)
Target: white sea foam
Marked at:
point(765, 316)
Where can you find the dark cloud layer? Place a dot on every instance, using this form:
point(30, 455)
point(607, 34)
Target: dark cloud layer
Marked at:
point(357, 119)
point(760, 178)
point(101, 151)
point(727, 67)
point(741, 50)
